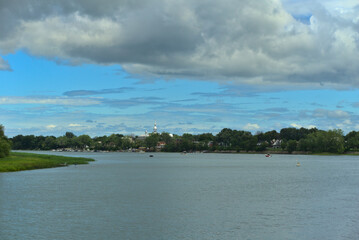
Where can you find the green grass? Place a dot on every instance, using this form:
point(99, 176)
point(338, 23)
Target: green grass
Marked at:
point(27, 161)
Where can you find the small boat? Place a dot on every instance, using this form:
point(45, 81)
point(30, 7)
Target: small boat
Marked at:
point(151, 155)
point(268, 155)
point(298, 164)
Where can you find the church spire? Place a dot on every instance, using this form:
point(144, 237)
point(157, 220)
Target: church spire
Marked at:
point(155, 128)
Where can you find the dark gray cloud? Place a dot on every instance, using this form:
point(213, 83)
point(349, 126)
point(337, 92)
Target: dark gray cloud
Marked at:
point(271, 43)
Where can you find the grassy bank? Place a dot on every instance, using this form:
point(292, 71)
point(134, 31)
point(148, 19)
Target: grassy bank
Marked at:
point(27, 161)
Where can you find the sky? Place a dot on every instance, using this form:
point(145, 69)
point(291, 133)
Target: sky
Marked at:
point(117, 66)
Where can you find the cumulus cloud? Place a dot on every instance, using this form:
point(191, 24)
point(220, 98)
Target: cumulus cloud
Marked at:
point(245, 42)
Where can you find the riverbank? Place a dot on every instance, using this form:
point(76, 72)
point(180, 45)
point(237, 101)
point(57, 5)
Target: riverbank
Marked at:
point(18, 161)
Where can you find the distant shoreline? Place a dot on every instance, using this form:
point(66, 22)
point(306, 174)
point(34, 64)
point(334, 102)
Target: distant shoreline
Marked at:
point(271, 151)
point(286, 152)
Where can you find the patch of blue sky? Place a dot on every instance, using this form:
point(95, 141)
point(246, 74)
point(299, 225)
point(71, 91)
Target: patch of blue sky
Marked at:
point(179, 90)
point(33, 76)
point(305, 19)
point(38, 76)
point(311, 99)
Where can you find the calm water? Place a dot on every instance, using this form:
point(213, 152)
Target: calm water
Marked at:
point(193, 196)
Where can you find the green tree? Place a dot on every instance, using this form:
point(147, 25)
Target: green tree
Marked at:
point(205, 137)
point(17, 142)
point(262, 146)
point(291, 146)
point(84, 141)
point(304, 145)
point(250, 144)
point(336, 141)
point(166, 137)
point(63, 142)
point(289, 134)
point(70, 135)
point(4, 148)
point(269, 136)
point(126, 143)
point(152, 140)
point(49, 143)
point(27, 142)
point(352, 141)
point(186, 145)
point(4, 143)
point(326, 141)
point(223, 138)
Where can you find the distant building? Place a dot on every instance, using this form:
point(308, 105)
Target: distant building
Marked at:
point(143, 137)
point(155, 128)
point(276, 143)
point(161, 145)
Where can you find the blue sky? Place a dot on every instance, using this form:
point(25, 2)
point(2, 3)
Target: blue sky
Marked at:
point(116, 67)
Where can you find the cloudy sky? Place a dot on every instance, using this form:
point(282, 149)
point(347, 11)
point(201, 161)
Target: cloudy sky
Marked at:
point(116, 66)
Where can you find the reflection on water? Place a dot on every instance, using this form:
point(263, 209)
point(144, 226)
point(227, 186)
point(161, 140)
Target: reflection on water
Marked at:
point(192, 196)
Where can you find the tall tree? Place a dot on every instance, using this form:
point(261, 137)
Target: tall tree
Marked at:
point(4, 143)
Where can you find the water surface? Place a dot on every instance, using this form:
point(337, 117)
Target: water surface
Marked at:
point(192, 196)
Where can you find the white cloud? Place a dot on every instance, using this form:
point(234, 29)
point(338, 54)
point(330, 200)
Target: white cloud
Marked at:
point(49, 100)
point(345, 125)
point(300, 126)
point(251, 126)
point(74, 125)
point(323, 113)
point(249, 42)
point(51, 126)
point(295, 125)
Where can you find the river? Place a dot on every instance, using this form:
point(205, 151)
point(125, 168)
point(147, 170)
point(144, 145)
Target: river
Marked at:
point(184, 196)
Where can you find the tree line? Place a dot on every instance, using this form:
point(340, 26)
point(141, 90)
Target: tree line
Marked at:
point(287, 139)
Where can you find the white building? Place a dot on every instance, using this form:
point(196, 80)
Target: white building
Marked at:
point(155, 128)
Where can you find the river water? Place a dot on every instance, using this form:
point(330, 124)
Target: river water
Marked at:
point(176, 196)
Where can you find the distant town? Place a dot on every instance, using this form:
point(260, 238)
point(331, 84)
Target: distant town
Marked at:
point(287, 140)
